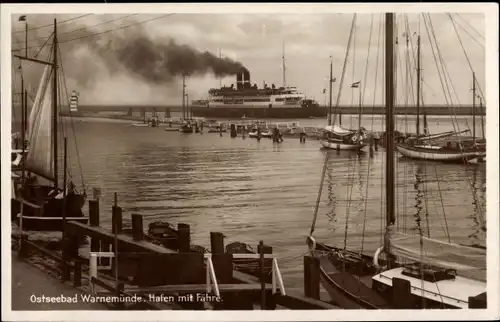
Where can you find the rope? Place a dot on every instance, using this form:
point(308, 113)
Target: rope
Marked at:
point(73, 128)
point(442, 206)
point(49, 25)
point(104, 32)
point(80, 29)
point(346, 57)
point(48, 38)
point(318, 200)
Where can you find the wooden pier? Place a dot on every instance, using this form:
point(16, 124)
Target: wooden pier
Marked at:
point(122, 266)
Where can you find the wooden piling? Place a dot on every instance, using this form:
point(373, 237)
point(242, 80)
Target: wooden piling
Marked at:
point(65, 269)
point(137, 227)
point(184, 240)
point(116, 220)
point(311, 277)
point(23, 249)
point(217, 243)
point(77, 274)
point(262, 276)
point(94, 213)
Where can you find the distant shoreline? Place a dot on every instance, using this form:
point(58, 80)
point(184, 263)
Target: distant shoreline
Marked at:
point(373, 110)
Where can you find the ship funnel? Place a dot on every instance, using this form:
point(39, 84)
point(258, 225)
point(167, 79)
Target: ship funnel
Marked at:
point(246, 77)
point(239, 80)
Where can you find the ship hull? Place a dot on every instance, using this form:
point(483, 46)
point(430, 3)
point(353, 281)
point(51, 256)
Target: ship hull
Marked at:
point(259, 112)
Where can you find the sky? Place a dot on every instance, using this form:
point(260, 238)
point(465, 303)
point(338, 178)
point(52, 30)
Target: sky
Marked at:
point(257, 41)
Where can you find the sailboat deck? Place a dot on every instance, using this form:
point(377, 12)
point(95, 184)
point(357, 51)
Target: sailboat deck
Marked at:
point(452, 292)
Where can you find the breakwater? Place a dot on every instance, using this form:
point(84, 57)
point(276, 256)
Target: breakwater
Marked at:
point(377, 110)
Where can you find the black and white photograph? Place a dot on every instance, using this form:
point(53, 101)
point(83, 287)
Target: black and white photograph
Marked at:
point(242, 161)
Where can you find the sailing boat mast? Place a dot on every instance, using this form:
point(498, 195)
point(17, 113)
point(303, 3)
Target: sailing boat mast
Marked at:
point(54, 105)
point(330, 101)
point(389, 121)
point(183, 96)
point(284, 66)
point(473, 107)
point(418, 86)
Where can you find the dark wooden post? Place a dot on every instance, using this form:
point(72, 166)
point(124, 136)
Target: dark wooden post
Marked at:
point(94, 221)
point(119, 289)
point(262, 276)
point(94, 213)
point(116, 219)
point(401, 293)
point(311, 277)
point(137, 227)
point(77, 274)
point(23, 246)
point(184, 240)
point(216, 243)
point(65, 269)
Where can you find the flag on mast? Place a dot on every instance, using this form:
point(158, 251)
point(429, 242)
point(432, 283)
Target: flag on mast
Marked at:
point(22, 18)
point(356, 84)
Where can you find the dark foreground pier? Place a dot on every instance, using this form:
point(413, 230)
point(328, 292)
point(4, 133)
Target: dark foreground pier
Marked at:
point(144, 275)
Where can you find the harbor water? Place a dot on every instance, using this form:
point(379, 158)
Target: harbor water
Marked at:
point(253, 191)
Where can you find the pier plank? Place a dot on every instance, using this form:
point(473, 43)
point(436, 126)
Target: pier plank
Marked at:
point(192, 288)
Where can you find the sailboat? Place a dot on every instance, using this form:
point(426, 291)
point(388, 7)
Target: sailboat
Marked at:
point(335, 136)
point(421, 147)
point(45, 205)
point(430, 280)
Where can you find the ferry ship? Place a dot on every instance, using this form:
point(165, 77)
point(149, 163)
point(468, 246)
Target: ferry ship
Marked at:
point(249, 101)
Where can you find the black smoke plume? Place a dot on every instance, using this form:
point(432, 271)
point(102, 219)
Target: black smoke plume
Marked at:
point(128, 56)
point(158, 61)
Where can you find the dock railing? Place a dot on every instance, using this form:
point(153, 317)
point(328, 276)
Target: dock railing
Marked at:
point(93, 266)
point(277, 279)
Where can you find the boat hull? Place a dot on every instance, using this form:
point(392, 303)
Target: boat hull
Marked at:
point(259, 112)
point(345, 289)
point(420, 153)
point(341, 146)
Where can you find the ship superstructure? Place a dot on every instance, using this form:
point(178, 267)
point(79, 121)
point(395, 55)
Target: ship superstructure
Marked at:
point(248, 95)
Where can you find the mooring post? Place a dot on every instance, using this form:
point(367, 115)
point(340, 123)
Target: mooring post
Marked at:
point(94, 221)
point(184, 240)
point(77, 273)
point(116, 219)
point(311, 277)
point(120, 286)
point(65, 270)
point(137, 227)
point(262, 276)
point(216, 243)
point(23, 246)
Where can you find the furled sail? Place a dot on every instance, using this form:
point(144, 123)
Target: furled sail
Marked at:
point(468, 261)
point(338, 130)
point(39, 159)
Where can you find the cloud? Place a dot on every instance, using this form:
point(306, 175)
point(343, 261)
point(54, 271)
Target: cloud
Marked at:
point(256, 41)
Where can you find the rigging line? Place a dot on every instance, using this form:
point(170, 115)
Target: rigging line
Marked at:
point(106, 31)
point(346, 57)
point(466, 56)
point(471, 27)
point(472, 37)
point(350, 183)
point(52, 24)
point(81, 29)
point(442, 205)
point(73, 127)
point(366, 66)
point(353, 72)
point(385, 138)
point(455, 126)
point(426, 200)
point(447, 78)
point(40, 50)
point(318, 200)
